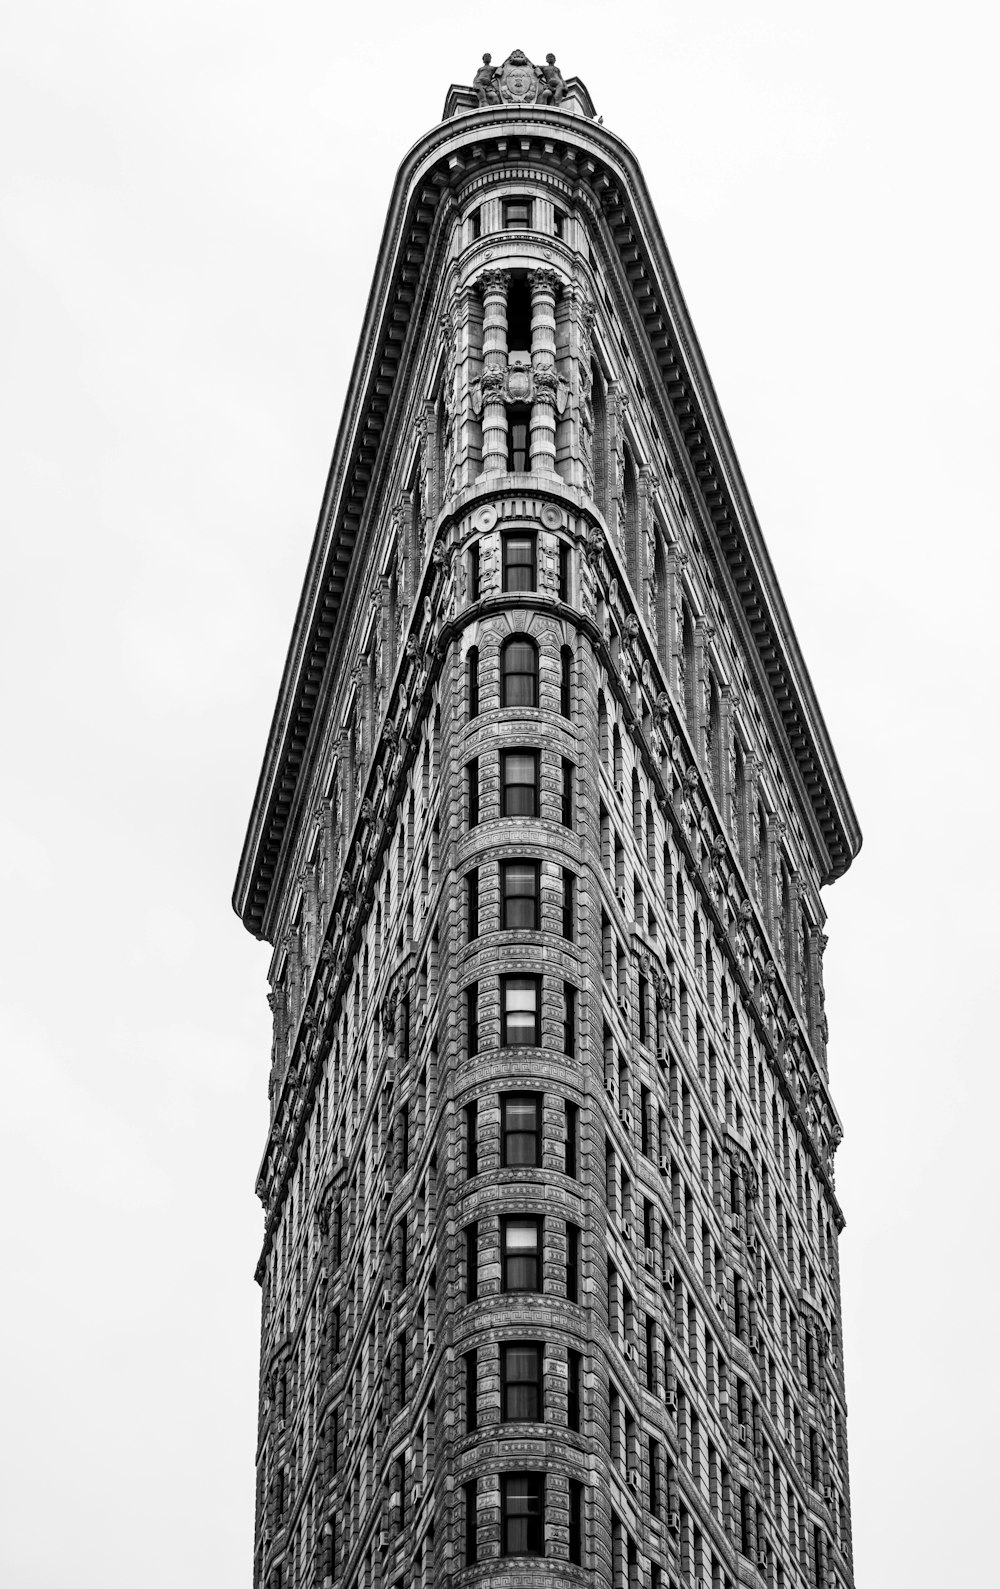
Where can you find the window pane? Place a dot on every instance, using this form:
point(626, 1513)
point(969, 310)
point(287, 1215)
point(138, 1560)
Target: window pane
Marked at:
point(520, 1010)
point(520, 894)
point(519, 779)
point(521, 1129)
point(518, 550)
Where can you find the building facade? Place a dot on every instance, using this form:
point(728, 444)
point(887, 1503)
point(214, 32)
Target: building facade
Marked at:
point(550, 1274)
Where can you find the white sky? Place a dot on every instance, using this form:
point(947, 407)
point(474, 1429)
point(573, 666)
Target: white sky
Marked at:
point(192, 200)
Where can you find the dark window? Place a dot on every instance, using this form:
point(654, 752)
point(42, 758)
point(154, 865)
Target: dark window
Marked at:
point(519, 890)
point(521, 1382)
point(471, 1140)
point(471, 1392)
point(521, 1254)
point(565, 680)
point(568, 904)
point(472, 1261)
point(568, 771)
point(472, 899)
point(518, 783)
point(476, 222)
point(572, 1263)
point(573, 1364)
point(471, 1522)
point(564, 555)
point(522, 1514)
point(518, 461)
point(569, 1019)
point(520, 1014)
point(519, 315)
point(559, 222)
point(518, 556)
point(472, 1017)
point(472, 778)
point(521, 1129)
point(576, 1522)
point(519, 672)
point(472, 676)
point(403, 1253)
point(572, 1131)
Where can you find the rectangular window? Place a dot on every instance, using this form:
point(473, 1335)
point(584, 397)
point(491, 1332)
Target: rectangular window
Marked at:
point(471, 1140)
point(569, 1019)
point(474, 574)
point(518, 784)
point(521, 1254)
point(568, 905)
point(521, 1368)
point(559, 223)
point(472, 784)
point(568, 771)
point(472, 1018)
point(472, 900)
point(522, 1514)
point(576, 1522)
point(517, 215)
point(521, 1130)
point(476, 225)
point(573, 1369)
point(472, 1261)
point(519, 895)
point(518, 441)
point(471, 1525)
point(472, 674)
point(564, 571)
point(518, 560)
point(572, 1263)
point(572, 1132)
point(566, 681)
point(520, 1014)
point(471, 1392)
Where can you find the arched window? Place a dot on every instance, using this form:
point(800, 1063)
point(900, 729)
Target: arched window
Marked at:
point(472, 673)
point(519, 672)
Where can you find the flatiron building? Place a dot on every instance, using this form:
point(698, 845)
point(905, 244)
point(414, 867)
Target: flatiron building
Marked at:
point(550, 1262)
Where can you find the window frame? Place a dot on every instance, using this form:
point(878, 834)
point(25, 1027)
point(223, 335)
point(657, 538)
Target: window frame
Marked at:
point(508, 984)
point(509, 675)
point(507, 785)
point(507, 1131)
point(509, 897)
point(532, 1512)
point(534, 1384)
point(509, 539)
point(507, 1222)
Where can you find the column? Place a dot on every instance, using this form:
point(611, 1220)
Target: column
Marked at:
point(544, 283)
point(494, 285)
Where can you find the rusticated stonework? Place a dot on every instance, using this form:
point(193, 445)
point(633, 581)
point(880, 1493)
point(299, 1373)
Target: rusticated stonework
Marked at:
point(549, 1275)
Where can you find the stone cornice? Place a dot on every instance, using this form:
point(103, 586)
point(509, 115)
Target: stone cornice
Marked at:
point(600, 161)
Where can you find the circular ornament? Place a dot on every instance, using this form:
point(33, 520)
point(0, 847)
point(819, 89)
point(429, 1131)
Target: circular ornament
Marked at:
point(485, 517)
point(552, 516)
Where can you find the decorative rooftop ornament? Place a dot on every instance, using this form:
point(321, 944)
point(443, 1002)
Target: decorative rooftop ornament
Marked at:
point(519, 82)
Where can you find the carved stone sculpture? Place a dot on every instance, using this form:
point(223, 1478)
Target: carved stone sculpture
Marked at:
point(484, 83)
